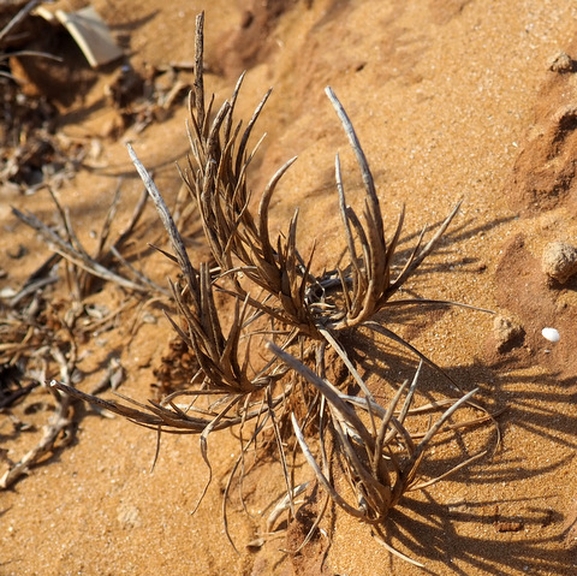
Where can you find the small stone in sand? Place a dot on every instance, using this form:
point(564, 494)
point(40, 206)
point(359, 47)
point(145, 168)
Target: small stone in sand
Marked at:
point(559, 261)
point(507, 333)
point(562, 63)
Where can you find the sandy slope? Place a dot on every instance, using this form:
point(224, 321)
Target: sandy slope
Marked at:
point(451, 99)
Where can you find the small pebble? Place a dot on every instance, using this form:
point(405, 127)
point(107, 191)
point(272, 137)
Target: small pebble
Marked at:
point(562, 63)
point(559, 261)
point(129, 516)
point(508, 334)
point(551, 334)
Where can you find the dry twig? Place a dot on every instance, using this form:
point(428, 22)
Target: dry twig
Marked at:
point(59, 423)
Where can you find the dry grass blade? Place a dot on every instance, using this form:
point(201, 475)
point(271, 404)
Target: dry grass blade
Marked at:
point(153, 415)
point(188, 270)
point(198, 66)
point(379, 537)
point(324, 481)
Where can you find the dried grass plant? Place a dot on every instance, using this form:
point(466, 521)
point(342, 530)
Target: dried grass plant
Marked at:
point(262, 366)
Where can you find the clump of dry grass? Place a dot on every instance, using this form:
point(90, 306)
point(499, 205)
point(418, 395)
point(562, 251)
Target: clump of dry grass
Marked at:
point(262, 367)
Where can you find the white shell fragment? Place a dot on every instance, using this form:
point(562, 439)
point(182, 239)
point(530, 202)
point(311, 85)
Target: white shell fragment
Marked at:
point(551, 334)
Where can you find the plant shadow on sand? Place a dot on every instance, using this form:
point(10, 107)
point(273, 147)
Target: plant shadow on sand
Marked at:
point(427, 530)
point(496, 533)
point(442, 260)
